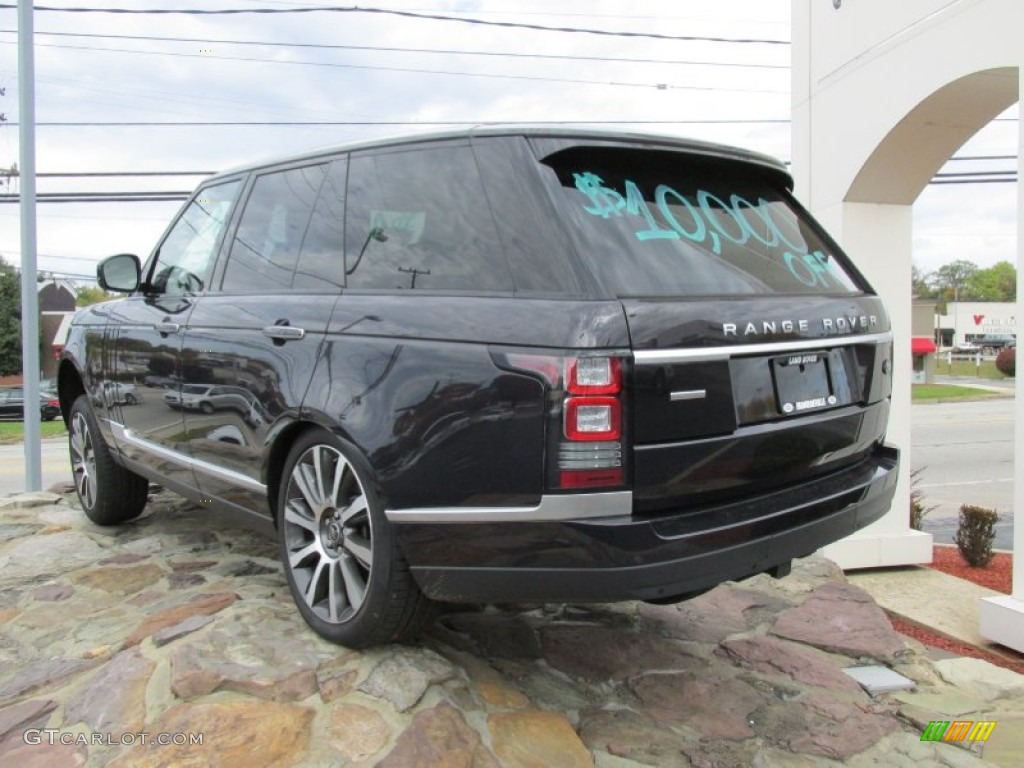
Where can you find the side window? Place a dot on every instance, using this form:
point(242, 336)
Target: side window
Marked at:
point(420, 219)
point(266, 246)
point(185, 257)
point(322, 262)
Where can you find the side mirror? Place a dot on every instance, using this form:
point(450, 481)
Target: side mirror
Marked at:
point(119, 273)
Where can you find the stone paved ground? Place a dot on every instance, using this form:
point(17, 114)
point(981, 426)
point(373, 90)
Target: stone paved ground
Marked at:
point(179, 623)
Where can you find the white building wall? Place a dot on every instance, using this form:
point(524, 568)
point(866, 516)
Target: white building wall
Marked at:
point(883, 94)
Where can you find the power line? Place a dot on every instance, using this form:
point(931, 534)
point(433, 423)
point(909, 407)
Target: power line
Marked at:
point(390, 12)
point(408, 70)
point(395, 49)
point(383, 123)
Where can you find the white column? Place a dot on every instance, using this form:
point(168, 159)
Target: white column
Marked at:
point(1001, 619)
point(878, 239)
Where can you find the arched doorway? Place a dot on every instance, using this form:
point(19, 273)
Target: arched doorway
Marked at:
point(883, 96)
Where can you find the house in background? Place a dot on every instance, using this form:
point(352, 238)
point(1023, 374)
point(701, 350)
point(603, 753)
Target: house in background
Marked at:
point(922, 340)
point(56, 306)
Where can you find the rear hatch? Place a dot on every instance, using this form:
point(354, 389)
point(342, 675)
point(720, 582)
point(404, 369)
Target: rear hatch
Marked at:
point(761, 356)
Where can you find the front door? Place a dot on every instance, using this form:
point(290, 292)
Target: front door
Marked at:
point(149, 428)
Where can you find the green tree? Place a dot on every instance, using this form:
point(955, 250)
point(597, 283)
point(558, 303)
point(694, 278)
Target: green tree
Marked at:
point(10, 319)
point(952, 278)
point(996, 283)
point(91, 295)
point(919, 283)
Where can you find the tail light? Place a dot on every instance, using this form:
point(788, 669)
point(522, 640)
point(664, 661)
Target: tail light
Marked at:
point(585, 418)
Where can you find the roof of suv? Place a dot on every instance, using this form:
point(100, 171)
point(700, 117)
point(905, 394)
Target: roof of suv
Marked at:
point(572, 134)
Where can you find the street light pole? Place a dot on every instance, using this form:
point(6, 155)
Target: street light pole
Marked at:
point(29, 289)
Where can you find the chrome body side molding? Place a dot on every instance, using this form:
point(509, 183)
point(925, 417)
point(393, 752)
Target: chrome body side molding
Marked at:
point(575, 506)
point(123, 434)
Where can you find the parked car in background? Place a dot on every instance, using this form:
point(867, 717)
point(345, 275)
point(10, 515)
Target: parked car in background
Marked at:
point(966, 347)
point(992, 343)
point(12, 405)
point(496, 365)
point(120, 392)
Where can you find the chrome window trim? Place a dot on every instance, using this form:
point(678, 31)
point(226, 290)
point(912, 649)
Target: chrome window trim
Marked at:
point(121, 432)
point(576, 506)
point(658, 356)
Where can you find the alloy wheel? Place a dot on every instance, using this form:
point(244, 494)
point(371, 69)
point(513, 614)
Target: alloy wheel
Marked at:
point(83, 461)
point(328, 534)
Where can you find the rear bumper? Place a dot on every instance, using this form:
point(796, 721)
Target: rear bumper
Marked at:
point(626, 557)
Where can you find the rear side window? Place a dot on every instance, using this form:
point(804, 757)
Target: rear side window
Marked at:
point(419, 219)
point(659, 223)
point(265, 250)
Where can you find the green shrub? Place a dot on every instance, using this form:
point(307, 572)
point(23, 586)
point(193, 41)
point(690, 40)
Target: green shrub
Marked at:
point(975, 534)
point(1006, 361)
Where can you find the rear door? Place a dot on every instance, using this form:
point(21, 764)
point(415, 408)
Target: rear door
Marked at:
point(255, 341)
point(760, 354)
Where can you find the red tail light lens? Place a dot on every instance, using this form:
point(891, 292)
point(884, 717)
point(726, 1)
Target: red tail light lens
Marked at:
point(593, 418)
point(594, 376)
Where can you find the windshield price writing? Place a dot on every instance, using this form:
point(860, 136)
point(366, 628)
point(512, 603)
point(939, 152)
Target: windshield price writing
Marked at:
point(708, 220)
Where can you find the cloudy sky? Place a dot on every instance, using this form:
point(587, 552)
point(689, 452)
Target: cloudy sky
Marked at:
point(190, 93)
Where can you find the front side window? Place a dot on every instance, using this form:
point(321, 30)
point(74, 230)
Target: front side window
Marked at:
point(265, 250)
point(419, 219)
point(659, 223)
point(183, 262)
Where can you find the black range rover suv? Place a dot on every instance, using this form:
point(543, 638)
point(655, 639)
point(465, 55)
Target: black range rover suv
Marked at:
point(496, 365)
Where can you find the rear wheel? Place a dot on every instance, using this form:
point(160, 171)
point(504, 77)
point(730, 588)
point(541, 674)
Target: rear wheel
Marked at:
point(345, 571)
point(109, 493)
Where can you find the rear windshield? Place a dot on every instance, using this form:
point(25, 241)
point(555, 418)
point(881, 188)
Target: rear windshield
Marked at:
point(659, 223)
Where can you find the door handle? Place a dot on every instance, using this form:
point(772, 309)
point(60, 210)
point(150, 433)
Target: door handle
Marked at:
point(166, 328)
point(284, 332)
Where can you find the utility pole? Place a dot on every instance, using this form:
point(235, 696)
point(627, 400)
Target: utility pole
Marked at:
point(29, 290)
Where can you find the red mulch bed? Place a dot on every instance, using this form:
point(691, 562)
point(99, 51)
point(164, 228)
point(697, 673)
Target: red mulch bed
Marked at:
point(996, 575)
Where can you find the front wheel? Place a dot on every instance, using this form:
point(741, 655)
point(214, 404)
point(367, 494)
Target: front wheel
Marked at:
point(344, 569)
point(109, 493)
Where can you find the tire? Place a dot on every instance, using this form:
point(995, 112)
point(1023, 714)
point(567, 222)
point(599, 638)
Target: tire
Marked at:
point(130, 399)
point(344, 569)
point(109, 493)
point(206, 407)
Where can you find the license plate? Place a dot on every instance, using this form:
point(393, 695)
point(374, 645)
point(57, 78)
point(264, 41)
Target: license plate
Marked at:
point(802, 382)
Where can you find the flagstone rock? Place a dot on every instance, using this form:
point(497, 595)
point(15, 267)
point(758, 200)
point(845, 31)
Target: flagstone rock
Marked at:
point(37, 675)
point(825, 724)
point(982, 679)
point(440, 738)
point(498, 635)
point(534, 738)
point(605, 653)
point(43, 755)
point(258, 655)
point(841, 618)
point(248, 733)
point(357, 732)
point(713, 616)
point(337, 677)
point(40, 557)
point(404, 677)
point(11, 531)
point(30, 500)
point(15, 719)
point(113, 701)
point(774, 656)
point(627, 734)
point(182, 629)
point(716, 708)
point(120, 580)
point(52, 592)
point(200, 605)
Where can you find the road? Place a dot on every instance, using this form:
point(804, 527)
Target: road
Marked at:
point(965, 451)
point(56, 466)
